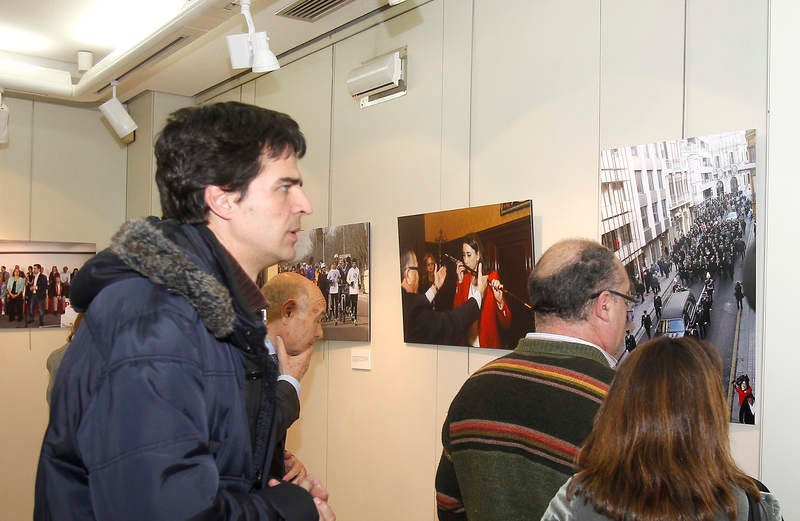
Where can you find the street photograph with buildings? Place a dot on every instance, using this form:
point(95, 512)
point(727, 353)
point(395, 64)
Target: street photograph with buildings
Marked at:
point(680, 215)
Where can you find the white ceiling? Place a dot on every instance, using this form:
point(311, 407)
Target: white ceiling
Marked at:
point(49, 33)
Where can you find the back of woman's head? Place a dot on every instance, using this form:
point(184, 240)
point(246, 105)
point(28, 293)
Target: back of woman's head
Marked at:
point(74, 328)
point(659, 448)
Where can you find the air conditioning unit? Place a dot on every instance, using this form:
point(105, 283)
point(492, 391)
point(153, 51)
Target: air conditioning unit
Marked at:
point(379, 79)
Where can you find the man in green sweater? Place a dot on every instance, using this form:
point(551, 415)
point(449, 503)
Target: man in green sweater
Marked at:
point(514, 429)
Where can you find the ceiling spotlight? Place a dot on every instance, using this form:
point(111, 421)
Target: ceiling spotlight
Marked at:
point(251, 49)
point(3, 120)
point(116, 114)
point(263, 58)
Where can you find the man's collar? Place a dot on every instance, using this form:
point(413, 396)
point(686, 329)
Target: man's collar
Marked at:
point(268, 344)
point(564, 338)
point(246, 292)
point(248, 288)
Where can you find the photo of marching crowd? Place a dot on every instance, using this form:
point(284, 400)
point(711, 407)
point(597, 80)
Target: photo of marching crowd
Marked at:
point(33, 294)
point(681, 216)
point(336, 259)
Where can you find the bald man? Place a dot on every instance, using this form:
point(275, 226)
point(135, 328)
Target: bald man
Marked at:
point(515, 427)
point(294, 323)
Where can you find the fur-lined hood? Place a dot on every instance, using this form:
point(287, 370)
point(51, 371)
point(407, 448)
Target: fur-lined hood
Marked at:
point(163, 252)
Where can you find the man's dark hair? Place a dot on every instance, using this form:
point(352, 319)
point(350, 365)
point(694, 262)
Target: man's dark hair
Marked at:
point(219, 144)
point(564, 291)
point(38, 266)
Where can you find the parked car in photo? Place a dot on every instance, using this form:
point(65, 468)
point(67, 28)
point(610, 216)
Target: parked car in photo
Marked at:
point(677, 314)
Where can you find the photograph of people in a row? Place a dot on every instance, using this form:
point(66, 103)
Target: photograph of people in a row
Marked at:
point(35, 281)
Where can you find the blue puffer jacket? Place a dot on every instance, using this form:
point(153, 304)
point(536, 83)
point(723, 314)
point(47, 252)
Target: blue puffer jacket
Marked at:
point(163, 407)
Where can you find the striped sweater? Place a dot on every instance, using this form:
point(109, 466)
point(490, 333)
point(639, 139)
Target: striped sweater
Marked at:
point(515, 428)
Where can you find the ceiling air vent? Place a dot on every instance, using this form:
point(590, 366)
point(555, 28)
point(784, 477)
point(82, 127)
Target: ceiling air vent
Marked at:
point(311, 10)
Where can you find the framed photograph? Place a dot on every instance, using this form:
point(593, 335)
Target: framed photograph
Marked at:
point(514, 206)
point(442, 255)
point(337, 258)
point(35, 280)
point(679, 214)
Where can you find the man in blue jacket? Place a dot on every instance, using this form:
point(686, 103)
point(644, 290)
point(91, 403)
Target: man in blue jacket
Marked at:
point(164, 405)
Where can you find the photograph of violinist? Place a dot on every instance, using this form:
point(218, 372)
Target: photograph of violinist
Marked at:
point(463, 275)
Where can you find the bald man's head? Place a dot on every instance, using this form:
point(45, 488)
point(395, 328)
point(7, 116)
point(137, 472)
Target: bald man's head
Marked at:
point(296, 309)
point(285, 286)
point(568, 273)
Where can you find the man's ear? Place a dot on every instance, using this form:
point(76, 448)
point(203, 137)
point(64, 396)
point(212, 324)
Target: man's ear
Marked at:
point(288, 308)
point(603, 306)
point(219, 201)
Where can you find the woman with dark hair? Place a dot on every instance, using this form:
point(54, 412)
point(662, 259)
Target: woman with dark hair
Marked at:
point(28, 284)
point(495, 313)
point(51, 304)
point(659, 448)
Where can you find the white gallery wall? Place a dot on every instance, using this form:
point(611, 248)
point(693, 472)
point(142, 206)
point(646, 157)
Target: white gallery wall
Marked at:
point(780, 457)
point(310, 107)
point(506, 101)
point(502, 104)
point(62, 179)
point(384, 163)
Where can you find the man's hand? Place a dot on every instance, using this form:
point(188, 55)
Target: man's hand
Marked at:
point(293, 365)
point(295, 470)
point(314, 487)
point(318, 492)
point(439, 276)
point(324, 510)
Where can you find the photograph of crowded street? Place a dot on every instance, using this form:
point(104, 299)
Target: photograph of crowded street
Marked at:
point(680, 215)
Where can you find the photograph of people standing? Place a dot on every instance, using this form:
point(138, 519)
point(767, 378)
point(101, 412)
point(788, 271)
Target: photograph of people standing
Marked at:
point(37, 297)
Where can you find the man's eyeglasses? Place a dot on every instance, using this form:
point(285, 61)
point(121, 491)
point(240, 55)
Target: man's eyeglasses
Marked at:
point(629, 298)
point(416, 268)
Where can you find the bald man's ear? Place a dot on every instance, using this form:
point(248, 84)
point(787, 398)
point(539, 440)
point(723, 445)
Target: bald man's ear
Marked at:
point(288, 307)
point(603, 306)
point(220, 202)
